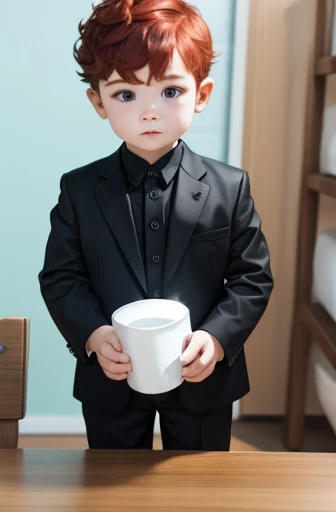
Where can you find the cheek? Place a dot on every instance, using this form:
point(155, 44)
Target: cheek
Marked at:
point(182, 113)
point(119, 117)
point(119, 110)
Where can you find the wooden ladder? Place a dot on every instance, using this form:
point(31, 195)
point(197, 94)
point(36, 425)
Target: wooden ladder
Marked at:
point(310, 320)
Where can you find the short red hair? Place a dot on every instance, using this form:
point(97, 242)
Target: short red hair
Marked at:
point(125, 35)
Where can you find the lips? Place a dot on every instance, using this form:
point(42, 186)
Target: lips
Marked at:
point(149, 133)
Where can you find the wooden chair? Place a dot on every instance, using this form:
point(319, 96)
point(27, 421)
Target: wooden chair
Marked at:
point(14, 342)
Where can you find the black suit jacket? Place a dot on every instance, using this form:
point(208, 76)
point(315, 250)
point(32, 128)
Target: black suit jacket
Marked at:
point(216, 263)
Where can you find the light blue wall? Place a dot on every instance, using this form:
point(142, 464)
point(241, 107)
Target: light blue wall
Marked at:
point(48, 127)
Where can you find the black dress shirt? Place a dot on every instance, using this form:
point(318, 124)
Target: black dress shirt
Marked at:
point(151, 190)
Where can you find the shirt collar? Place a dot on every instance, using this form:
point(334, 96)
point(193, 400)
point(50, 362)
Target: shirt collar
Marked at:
point(135, 167)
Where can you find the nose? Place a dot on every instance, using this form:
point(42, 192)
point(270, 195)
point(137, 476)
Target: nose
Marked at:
point(149, 115)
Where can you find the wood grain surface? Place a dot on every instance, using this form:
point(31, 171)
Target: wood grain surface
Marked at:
point(162, 481)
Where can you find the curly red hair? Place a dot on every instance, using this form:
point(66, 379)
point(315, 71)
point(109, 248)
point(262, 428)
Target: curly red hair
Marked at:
point(125, 35)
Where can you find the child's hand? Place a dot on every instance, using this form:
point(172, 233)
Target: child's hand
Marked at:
point(105, 342)
point(200, 351)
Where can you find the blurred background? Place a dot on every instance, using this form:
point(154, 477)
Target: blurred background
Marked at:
point(269, 115)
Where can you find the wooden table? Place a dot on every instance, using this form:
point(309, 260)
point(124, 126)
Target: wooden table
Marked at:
point(38, 480)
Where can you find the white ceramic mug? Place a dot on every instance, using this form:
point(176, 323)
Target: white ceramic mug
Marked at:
point(151, 332)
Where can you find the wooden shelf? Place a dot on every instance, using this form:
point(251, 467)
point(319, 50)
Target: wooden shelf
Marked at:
point(310, 319)
point(322, 183)
point(326, 66)
point(322, 328)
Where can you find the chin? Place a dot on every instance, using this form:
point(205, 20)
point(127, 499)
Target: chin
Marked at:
point(151, 145)
point(157, 142)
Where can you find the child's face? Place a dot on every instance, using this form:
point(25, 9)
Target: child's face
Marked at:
point(166, 107)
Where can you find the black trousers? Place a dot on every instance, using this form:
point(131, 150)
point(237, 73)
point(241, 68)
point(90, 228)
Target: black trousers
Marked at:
point(181, 428)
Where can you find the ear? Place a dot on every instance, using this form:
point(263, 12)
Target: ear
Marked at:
point(97, 103)
point(203, 94)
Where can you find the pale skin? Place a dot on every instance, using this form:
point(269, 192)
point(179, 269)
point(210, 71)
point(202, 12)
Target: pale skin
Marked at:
point(168, 107)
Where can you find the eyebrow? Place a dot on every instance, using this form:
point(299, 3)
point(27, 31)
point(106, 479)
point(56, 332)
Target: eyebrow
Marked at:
point(167, 77)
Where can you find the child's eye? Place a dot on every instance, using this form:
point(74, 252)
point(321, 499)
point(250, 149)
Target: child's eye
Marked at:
point(124, 96)
point(169, 92)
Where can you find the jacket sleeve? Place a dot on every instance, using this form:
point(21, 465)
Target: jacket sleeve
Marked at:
point(248, 276)
point(64, 280)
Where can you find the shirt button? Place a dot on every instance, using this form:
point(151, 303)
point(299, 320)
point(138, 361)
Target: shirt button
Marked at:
point(156, 258)
point(155, 194)
point(154, 225)
point(157, 294)
point(151, 173)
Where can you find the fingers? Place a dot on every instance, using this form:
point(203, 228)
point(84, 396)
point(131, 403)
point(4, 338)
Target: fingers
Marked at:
point(191, 351)
point(116, 343)
point(197, 367)
point(198, 357)
point(115, 371)
point(109, 352)
point(201, 376)
point(186, 342)
point(115, 376)
point(116, 365)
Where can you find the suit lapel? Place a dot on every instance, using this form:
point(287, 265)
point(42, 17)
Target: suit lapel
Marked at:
point(115, 206)
point(185, 209)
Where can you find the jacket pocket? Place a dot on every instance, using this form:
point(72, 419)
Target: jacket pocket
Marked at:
point(207, 236)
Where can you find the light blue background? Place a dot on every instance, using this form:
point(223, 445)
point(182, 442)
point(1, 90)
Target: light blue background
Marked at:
point(48, 127)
